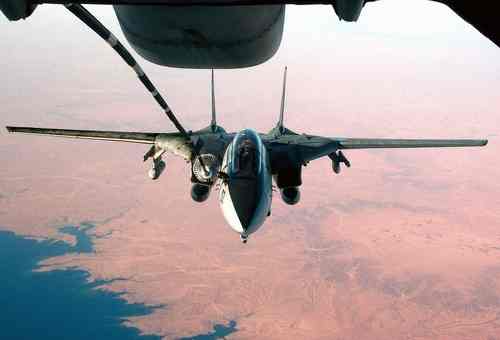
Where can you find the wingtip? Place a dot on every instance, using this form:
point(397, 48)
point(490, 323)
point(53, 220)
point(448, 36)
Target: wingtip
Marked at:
point(484, 142)
point(10, 128)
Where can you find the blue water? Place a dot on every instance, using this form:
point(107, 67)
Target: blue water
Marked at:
point(219, 332)
point(83, 242)
point(58, 304)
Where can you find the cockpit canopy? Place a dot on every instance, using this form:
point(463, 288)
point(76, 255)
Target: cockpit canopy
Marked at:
point(245, 155)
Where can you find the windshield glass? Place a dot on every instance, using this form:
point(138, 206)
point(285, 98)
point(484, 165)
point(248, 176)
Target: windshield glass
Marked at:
point(245, 155)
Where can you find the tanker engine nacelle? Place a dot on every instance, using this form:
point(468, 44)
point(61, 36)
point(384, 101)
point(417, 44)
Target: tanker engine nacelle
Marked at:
point(203, 36)
point(16, 9)
point(290, 195)
point(348, 10)
point(200, 192)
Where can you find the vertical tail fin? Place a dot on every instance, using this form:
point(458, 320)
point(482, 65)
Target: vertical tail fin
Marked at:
point(282, 110)
point(213, 123)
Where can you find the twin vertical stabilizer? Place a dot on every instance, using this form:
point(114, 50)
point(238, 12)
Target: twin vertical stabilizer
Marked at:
point(213, 123)
point(279, 126)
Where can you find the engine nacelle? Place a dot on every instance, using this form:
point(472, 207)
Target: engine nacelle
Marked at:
point(156, 170)
point(290, 195)
point(348, 10)
point(203, 36)
point(291, 177)
point(16, 9)
point(207, 172)
point(200, 192)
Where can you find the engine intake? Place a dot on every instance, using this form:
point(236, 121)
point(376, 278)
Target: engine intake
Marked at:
point(200, 192)
point(207, 172)
point(290, 195)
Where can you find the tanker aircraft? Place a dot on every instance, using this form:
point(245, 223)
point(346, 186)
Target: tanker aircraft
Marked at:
point(243, 165)
point(224, 33)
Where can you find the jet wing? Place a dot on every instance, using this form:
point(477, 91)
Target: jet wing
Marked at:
point(132, 137)
point(377, 143)
point(291, 149)
point(173, 142)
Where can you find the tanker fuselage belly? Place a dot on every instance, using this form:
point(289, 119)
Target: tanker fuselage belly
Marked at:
point(203, 36)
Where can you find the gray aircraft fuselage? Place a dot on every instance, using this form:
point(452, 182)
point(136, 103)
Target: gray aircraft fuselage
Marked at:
point(245, 192)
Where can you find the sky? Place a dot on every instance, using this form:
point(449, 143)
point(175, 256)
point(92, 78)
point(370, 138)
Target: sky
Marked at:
point(415, 43)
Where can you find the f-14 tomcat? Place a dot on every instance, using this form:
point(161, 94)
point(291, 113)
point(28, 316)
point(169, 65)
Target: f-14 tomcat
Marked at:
point(243, 165)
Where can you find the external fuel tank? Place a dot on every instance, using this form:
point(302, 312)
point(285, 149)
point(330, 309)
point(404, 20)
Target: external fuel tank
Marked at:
point(203, 36)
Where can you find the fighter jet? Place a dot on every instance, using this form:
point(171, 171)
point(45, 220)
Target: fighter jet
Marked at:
point(243, 165)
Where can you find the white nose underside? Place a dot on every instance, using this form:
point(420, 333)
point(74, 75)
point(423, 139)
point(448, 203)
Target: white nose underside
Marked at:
point(245, 194)
point(229, 211)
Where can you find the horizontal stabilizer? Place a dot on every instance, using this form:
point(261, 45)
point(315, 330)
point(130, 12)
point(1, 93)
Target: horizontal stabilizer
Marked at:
point(132, 137)
point(366, 143)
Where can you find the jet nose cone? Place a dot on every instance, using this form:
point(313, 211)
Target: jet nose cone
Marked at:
point(244, 195)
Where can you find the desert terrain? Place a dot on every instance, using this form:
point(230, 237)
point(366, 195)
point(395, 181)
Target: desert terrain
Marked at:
point(405, 244)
